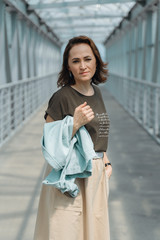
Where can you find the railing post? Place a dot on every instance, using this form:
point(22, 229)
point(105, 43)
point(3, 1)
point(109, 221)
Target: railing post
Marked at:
point(141, 99)
point(145, 106)
point(21, 99)
point(1, 119)
point(157, 113)
point(136, 99)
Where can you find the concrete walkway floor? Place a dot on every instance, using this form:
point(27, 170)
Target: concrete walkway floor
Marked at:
point(134, 202)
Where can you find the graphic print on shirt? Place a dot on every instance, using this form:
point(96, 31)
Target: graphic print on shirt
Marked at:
point(103, 122)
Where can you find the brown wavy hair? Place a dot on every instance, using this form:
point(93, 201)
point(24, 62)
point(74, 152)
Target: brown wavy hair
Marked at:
point(101, 73)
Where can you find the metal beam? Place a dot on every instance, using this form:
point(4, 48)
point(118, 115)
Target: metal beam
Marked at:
point(79, 17)
point(131, 18)
point(83, 26)
point(85, 31)
point(144, 37)
point(89, 34)
point(2, 45)
point(156, 49)
point(73, 4)
point(21, 8)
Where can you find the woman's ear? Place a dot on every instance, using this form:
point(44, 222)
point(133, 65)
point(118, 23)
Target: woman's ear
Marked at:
point(68, 67)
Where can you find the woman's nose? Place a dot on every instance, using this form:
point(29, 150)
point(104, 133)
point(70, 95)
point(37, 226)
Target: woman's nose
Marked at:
point(82, 66)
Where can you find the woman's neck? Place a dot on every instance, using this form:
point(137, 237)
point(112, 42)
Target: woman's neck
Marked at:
point(84, 88)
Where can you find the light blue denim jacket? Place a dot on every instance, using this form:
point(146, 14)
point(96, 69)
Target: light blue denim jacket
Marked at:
point(69, 157)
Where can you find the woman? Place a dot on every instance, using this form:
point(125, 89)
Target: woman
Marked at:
point(87, 216)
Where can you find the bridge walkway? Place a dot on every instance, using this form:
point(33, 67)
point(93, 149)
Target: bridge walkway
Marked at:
point(134, 207)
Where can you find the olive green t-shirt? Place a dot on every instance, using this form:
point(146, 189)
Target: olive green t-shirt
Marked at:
point(65, 100)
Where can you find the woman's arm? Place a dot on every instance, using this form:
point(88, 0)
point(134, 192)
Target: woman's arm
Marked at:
point(49, 119)
point(82, 115)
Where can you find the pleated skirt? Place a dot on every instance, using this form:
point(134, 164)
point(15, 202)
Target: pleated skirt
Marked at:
point(85, 217)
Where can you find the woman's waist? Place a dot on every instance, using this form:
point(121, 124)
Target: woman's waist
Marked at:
point(99, 155)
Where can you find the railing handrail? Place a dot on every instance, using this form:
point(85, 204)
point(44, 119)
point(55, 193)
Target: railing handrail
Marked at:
point(22, 81)
point(21, 100)
point(141, 99)
point(136, 80)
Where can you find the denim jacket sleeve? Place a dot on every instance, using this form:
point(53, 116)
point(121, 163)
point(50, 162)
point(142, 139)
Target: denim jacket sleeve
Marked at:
point(56, 141)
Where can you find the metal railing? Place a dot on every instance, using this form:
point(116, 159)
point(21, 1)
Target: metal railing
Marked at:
point(140, 98)
point(19, 100)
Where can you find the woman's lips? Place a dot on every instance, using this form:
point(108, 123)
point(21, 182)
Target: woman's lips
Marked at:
point(83, 73)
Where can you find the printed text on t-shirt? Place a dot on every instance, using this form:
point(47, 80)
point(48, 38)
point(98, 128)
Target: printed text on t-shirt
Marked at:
point(103, 121)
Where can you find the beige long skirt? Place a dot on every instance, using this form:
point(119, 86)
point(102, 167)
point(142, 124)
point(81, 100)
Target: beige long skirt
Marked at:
point(82, 218)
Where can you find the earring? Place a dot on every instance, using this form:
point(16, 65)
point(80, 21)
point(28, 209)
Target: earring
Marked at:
point(70, 74)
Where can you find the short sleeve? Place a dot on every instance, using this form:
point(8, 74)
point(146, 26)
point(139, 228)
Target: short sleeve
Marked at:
point(57, 107)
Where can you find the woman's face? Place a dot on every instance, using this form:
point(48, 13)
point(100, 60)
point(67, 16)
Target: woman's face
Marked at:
point(82, 62)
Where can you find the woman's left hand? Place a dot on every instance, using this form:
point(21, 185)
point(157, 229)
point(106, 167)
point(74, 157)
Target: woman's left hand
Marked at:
point(109, 167)
point(109, 170)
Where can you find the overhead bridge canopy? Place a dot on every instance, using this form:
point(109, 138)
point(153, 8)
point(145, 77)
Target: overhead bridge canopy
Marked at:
point(68, 18)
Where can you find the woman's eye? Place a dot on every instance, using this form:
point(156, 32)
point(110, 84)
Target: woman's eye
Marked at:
point(88, 59)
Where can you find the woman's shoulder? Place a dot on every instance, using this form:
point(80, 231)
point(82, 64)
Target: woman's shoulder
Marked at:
point(97, 89)
point(60, 94)
point(58, 104)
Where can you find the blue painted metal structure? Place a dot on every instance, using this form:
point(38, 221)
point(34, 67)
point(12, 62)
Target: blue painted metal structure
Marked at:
point(31, 36)
point(29, 62)
point(133, 53)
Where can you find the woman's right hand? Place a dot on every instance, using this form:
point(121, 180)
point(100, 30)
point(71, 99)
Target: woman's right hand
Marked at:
point(83, 114)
